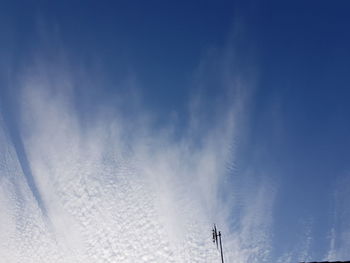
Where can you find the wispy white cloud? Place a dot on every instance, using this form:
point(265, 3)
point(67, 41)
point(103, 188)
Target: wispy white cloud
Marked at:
point(118, 189)
point(339, 238)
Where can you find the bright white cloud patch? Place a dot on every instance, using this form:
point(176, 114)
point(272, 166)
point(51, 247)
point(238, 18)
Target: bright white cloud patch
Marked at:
point(119, 192)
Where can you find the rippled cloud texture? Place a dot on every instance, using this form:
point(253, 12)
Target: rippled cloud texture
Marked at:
point(127, 130)
point(113, 189)
point(114, 185)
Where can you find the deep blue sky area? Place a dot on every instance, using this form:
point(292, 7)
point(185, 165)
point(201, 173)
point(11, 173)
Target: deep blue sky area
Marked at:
point(305, 76)
point(159, 41)
point(299, 128)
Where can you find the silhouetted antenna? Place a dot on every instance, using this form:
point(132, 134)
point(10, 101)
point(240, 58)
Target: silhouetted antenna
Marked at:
point(217, 234)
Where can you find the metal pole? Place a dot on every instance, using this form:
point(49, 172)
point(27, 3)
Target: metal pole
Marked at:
point(222, 254)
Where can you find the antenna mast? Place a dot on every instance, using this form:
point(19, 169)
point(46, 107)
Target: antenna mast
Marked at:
point(217, 234)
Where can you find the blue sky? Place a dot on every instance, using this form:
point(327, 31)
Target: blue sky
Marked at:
point(232, 106)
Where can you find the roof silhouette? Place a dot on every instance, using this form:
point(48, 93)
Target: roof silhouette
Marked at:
point(327, 262)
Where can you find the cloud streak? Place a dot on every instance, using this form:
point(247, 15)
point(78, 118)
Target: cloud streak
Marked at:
point(118, 188)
